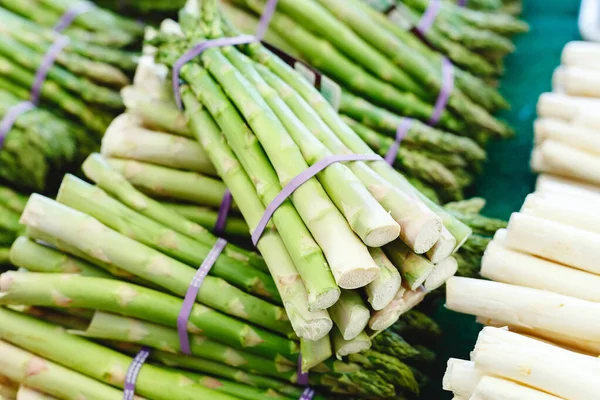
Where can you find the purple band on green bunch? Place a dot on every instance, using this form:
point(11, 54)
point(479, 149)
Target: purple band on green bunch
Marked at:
point(445, 91)
point(401, 133)
point(47, 62)
point(73, 12)
point(298, 181)
point(308, 392)
point(462, 3)
point(132, 373)
point(429, 16)
point(11, 116)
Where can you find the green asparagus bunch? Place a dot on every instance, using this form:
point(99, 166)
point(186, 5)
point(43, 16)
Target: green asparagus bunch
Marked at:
point(12, 204)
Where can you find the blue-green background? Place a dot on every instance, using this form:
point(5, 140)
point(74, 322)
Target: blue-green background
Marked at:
point(507, 178)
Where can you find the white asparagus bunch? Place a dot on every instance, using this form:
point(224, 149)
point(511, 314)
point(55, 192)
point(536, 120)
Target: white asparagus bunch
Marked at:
point(461, 377)
point(576, 81)
point(552, 184)
point(557, 158)
point(581, 54)
point(490, 388)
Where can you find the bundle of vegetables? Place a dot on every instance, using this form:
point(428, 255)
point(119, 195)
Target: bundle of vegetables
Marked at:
point(498, 362)
point(369, 55)
point(566, 131)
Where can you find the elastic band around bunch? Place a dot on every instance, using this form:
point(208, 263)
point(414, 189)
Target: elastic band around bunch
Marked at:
point(308, 392)
point(462, 3)
point(47, 62)
point(429, 16)
point(198, 49)
point(11, 116)
point(401, 133)
point(298, 181)
point(445, 91)
point(73, 12)
point(201, 273)
point(132, 373)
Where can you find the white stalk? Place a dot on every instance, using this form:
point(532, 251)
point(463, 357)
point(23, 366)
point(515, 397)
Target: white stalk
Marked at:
point(382, 290)
point(557, 158)
point(442, 271)
point(554, 241)
point(547, 183)
point(343, 347)
point(461, 377)
point(126, 138)
point(562, 106)
point(403, 302)
point(490, 388)
point(539, 365)
point(574, 211)
point(589, 347)
point(577, 81)
point(522, 306)
point(581, 54)
point(508, 266)
point(581, 138)
point(443, 248)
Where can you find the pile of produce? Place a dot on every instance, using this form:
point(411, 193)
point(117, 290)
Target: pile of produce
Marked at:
point(542, 270)
point(87, 62)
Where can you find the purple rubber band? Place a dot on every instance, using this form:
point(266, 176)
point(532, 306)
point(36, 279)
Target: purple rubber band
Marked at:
point(462, 3)
point(298, 181)
point(429, 16)
point(445, 91)
point(308, 393)
point(198, 49)
point(132, 373)
point(192, 293)
point(401, 133)
point(11, 116)
point(47, 62)
point(73, 12)
point(223, 212)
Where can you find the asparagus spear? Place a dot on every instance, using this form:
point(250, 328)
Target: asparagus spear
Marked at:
point(350, 314)
point(391, 343)
point(104, 244)
point(207, 217)
point(38, 373)
point(138, 302)
point(474, 205)
point(404, 301)
point(95, 361)
point(297, 295)
point(100, 172)
point(481, 225)
point(345, 347)
point(402, 376)
point(26, 393)
point(126, 138)
point(95, 202)
point(382, 290)
point(414, 268)
point(416, 325)
point(366, 216)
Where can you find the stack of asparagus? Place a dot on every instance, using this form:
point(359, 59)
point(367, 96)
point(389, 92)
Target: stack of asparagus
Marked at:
point(79, 96)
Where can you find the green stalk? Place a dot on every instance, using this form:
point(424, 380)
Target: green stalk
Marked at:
point(350, 314)
point(28, 369)
point(480, 224)
point(126, 138)
point(388, 366)
point(473, 205)
point(345, 347)
point(207, 217)
point(347, 256)
point(306, 254)
point(113, 327)
point(240, 391)
point(26, 253)
point(100, 242)
point(382, 290)
point(364, 214)
point(72, 291)
point(404, 301)
point(419, 226)
point(406, 59)
point(26, 393)
point(12, 200)
point(460, 231)
point(94, 202)
point(413, 267)
point(314, 352)
point(95, 361)
point(169, 183)
point(109, 180)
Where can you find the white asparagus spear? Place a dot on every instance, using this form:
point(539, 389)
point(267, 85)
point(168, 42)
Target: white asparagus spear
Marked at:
point(441, 273)
point(554, 241)
point(542, 366)
point(557, 158)
point(461, 377)
point(581, 54)
point(382, 290)
point(547, 183)
point(576, 81)
point(562, 106)
point(126, 138)
point(583, 346)
point(403, 302)
point(490, 388)
point(581, 138)
point(574, 211)
point(443, 248)
point(508, 266)
point(522, 306)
